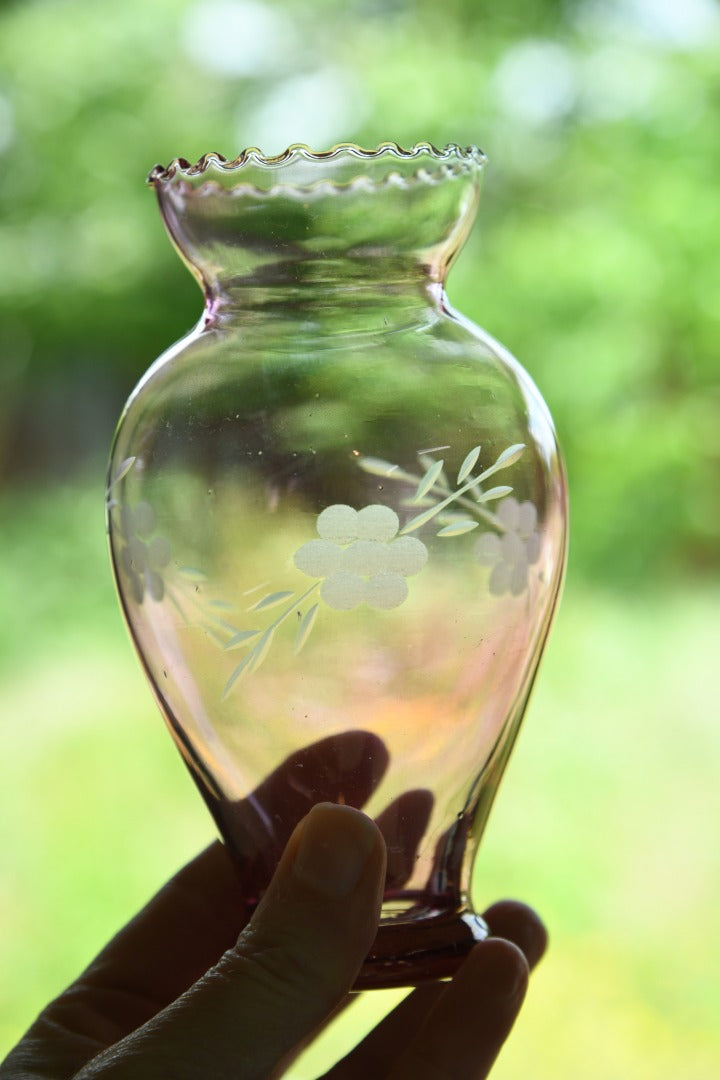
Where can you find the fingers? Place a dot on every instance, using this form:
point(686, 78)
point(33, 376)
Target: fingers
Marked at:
point(403, 824)
point(518, 923)
point(291, 966)
point(182, 932)
point(465, 1029)
point(344, 768)
point(508, 919)
point(197, 916)
point(385, 1043)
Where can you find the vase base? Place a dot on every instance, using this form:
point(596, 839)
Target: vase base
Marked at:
point(415, 952)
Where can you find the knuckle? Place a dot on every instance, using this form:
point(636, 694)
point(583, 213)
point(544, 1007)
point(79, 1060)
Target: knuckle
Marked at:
point(285, 969)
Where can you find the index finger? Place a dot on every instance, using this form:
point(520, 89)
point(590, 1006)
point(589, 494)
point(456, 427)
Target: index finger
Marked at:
point(180, 933)
point(197, 916)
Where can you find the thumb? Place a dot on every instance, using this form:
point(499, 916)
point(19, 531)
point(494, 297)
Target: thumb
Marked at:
point(290, 967)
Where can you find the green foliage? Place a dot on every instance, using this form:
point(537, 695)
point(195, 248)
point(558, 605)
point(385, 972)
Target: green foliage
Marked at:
point(594, 259)
point(606, 819)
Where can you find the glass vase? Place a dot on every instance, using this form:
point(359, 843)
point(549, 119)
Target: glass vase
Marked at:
point(337, 523)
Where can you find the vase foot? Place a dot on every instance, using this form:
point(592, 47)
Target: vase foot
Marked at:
point(414, 952)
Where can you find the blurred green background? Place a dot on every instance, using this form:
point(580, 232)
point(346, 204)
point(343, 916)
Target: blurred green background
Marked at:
point(595, 260)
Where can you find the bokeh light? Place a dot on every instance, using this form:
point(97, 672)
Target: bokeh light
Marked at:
point(594, 260)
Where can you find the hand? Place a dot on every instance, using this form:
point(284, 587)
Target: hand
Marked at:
point(178, 995)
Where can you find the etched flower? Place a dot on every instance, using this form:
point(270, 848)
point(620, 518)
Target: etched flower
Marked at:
point(361, 558)
point(142, 555)
point(514, 552)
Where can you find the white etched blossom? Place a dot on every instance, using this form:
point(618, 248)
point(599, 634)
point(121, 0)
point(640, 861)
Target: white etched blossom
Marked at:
point(361, 558)
point(512, 553)
point(142, 555)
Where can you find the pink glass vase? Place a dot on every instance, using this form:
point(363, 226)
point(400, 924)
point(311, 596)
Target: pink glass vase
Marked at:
point(337, 520)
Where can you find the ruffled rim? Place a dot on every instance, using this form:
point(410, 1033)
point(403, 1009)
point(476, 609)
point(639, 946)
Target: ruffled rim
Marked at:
point(470, 156)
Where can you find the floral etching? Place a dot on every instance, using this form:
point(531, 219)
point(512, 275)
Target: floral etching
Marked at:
point(143, 555)
point(512, 553)
point(359, 556)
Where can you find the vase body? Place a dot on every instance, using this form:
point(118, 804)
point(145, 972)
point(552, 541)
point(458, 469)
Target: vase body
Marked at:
point(337, 521)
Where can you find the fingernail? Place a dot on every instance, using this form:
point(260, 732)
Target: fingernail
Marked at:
point(335, 845)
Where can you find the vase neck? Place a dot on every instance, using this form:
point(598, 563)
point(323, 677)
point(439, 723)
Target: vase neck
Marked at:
point(307, 229)
point(278, 310)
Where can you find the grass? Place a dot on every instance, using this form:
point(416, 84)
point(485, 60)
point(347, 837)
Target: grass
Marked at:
point(606, 820)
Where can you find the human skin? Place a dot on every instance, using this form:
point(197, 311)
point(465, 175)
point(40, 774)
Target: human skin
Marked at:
point(190, 989)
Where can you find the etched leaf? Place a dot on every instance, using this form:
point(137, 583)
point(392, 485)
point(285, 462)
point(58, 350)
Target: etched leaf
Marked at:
point(468, 464)
point(237, 673)
point(508, 457)
point(426, 460)
point(255, 588)
point(511, 454)
point(270, 601)
point(192, 573)
point(457, 528)
point(418, 521)
point(413, 503)
point(493, 493)
point(252, 661)
point(240, 638)
point(262, 649)
point(214, 636)
point(305, 627)
point(377, 467)
point(123, 469)
point(429, 480)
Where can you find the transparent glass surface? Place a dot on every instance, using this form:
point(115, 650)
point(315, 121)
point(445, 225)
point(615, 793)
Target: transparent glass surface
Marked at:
point(337, 519)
